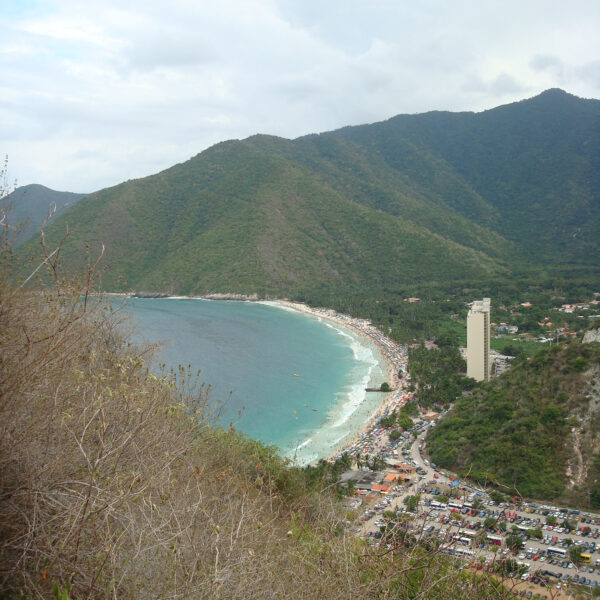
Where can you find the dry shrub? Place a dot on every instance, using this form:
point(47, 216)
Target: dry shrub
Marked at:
point(112, 482)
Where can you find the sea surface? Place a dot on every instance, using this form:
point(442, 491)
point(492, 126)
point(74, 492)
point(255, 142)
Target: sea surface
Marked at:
point(278, 375)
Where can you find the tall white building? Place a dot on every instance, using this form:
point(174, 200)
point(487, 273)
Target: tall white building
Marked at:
point(479, 366)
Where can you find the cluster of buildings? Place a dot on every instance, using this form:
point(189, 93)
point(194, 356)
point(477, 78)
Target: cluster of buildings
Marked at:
point(581, 306)
point(381, 482)
point(478, 355)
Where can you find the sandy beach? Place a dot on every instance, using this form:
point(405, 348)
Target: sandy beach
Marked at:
point(395, 360)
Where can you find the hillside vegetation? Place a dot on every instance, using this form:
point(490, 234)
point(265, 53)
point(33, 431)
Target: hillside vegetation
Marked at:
point(416, 200)
point(263, 225)
point(534, 431)
point(531, 167)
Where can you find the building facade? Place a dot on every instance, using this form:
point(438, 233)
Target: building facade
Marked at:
point(479, 365)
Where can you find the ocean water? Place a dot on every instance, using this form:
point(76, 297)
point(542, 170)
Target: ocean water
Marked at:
point(280, 376)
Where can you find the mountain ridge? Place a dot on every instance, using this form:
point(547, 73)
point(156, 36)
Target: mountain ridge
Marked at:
point(417, 198)
point(30, 205)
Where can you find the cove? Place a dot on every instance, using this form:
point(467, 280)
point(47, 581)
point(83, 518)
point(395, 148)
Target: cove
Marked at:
point(279, 376)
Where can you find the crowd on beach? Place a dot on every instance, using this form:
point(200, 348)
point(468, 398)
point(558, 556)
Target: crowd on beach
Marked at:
point(373, 440)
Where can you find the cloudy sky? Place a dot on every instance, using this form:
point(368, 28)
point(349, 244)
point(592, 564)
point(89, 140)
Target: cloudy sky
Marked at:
point(95, 93)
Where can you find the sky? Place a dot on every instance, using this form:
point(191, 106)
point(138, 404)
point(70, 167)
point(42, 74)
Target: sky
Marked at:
point(96, 93)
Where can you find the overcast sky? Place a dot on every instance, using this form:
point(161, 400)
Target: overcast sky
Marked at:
point(95, 93)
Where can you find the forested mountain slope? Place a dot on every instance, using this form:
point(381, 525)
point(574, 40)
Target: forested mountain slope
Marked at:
point(418, 198)
point(239, 218)
point(534, 165)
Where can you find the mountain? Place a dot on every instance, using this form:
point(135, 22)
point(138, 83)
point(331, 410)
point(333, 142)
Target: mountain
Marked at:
point(415, 199)
point(239, 218)
point(30, 205)
point(533, 431)
point(534, 165)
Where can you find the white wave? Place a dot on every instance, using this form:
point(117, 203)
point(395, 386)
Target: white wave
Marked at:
point(356, 396)
point(360, 351)
point(275, 304)
point(350, 401)
point(302, 461)
point(303, 444)
point(338, 440)
point(186, 298)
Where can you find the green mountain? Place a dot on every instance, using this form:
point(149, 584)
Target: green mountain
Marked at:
point(533, 431)
point(30, 205)
point(533, 165)
point(416, 199)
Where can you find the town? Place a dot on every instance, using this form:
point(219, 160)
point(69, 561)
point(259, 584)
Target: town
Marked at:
point(533, 545)
point(397, 494)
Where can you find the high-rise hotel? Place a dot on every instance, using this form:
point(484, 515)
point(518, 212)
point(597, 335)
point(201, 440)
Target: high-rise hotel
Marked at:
point(479, 366)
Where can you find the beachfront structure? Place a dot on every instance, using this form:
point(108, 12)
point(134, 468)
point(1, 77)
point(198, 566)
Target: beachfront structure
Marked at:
point(478, 341)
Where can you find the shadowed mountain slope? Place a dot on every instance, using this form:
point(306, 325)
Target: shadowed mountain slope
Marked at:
point(30, 205)
point(533, 167)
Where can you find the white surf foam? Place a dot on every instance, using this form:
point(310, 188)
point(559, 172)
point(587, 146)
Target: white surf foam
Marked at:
point(303, 444)
point(355, 397)
point(350, 411)
point(182, 298)
point(278, 305)
point(360, 351)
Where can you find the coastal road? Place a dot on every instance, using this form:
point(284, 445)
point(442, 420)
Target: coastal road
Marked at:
point(415, 454)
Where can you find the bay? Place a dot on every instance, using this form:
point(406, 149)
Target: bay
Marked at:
point(280, 376)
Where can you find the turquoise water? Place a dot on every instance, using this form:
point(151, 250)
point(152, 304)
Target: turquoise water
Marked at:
point(283, 377)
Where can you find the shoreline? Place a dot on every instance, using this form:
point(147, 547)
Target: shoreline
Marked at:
point(393, 358)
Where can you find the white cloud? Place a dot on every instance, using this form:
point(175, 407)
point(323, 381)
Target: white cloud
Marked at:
point(96, 93)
